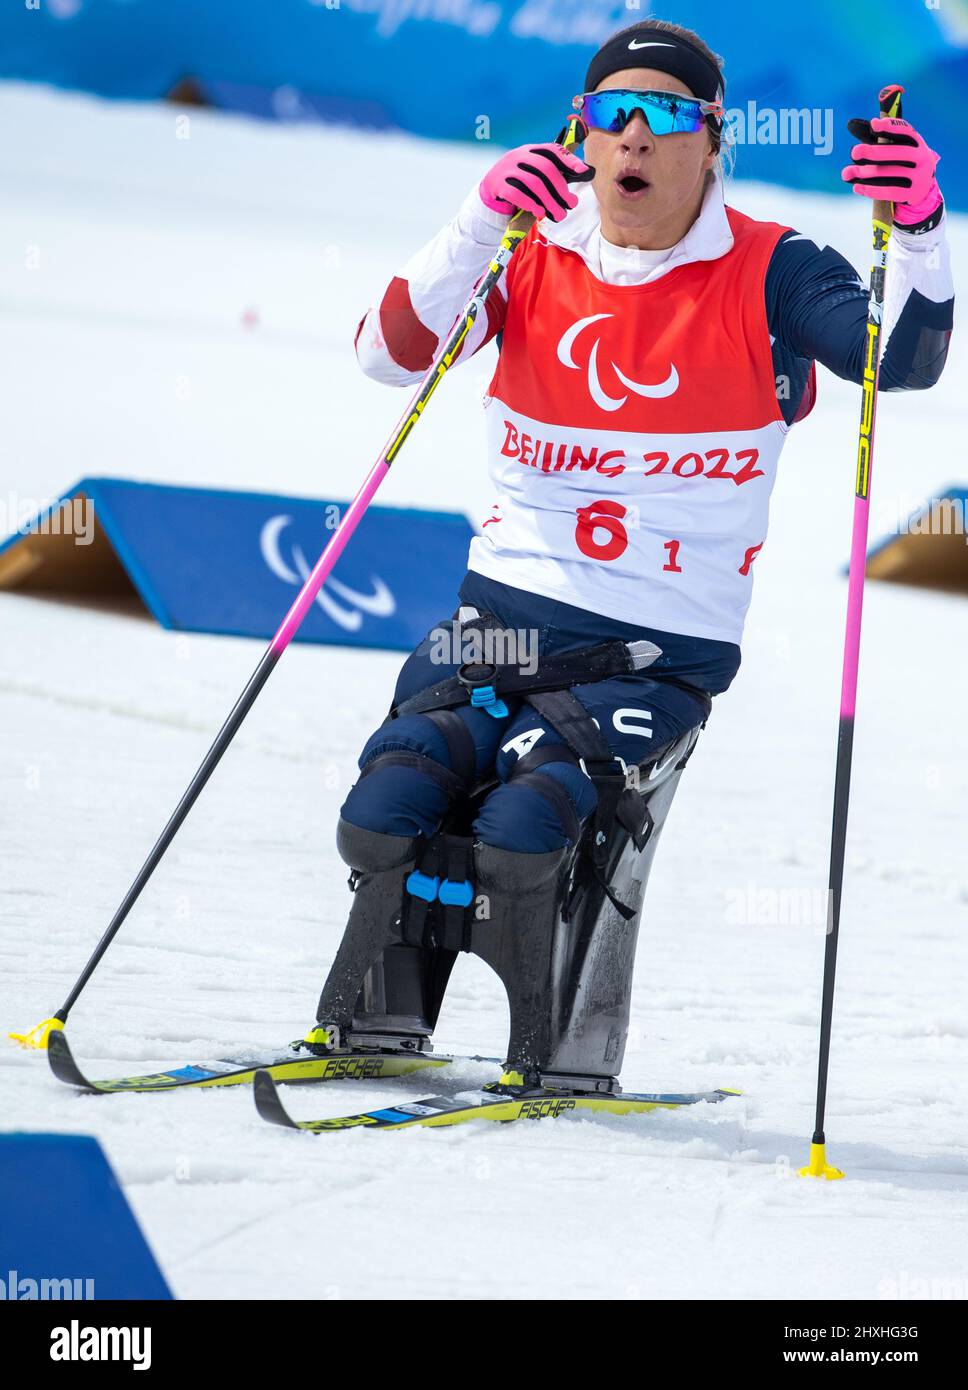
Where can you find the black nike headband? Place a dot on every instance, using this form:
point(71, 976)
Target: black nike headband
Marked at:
point(645, 46)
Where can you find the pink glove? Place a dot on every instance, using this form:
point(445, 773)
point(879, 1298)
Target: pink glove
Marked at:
point(901, 171)
point(534, 178)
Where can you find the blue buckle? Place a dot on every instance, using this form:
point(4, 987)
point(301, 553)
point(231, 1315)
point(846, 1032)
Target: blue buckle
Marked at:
point(485, 697)
point(456, 893)
point(478, 679)
point(422, 886)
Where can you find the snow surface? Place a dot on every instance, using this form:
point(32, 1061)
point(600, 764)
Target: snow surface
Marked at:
point(129, 260)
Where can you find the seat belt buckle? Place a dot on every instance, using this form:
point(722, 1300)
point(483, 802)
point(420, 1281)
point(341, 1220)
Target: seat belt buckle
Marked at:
point(480, 679)
point(456, 892)
point(421, 885)
point(485, 697)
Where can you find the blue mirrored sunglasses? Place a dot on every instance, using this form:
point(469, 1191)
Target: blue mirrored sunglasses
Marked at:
point(667, 113)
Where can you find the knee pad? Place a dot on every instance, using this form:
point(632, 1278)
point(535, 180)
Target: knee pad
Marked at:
point(372, 851)
point(541, 803)
point(514, 872)
point(533, 814)
point(411, 770)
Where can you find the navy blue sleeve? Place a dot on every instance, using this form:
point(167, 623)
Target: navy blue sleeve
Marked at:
point(816, 306)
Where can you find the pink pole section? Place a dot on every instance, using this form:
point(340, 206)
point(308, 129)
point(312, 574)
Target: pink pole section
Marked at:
point(325, 564)
point(865, 459)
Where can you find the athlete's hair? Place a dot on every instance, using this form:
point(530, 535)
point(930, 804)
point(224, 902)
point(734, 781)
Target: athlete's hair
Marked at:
point(722, 148)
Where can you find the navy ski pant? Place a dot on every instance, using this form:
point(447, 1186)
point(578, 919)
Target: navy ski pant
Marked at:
point(637, 714)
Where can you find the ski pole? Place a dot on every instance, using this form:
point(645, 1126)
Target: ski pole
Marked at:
point(882, 221)
point(517, 229)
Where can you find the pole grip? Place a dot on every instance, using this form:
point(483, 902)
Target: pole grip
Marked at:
point(889, 99)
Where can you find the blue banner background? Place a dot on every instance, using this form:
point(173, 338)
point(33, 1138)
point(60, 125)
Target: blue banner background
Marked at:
point(436, 67)
point(208, 560)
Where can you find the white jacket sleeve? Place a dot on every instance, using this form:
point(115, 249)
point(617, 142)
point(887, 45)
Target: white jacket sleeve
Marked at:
point(918, 309)
point(396, 340)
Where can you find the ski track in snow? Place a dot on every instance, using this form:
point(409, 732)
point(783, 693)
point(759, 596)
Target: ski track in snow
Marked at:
point(123, 353)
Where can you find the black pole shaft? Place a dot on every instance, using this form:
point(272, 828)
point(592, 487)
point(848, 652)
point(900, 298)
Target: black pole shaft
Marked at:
point(835, 883)
point(209, 763)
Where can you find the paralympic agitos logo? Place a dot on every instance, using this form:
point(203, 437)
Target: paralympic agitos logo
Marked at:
point(566, 350)
point(349, 613)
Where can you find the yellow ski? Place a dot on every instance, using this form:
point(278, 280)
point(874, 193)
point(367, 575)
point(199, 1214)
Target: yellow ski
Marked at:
point(334, 1066)
point(442, 1110)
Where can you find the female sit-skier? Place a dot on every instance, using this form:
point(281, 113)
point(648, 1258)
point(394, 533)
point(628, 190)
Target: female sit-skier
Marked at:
point(655, 346)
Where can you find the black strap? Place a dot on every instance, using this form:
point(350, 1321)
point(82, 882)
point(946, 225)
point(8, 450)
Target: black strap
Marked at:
point(456, 860)
point(553, 673)
point(460, 742)
point(449, 781)
point(524, 772)
point(572, 721)
point(436, 924)
point(415, 925)
point(543, 753)
point(554, 792)
point(634, 814)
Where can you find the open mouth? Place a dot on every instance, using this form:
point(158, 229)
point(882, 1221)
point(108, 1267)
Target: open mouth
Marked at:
point(631, 183)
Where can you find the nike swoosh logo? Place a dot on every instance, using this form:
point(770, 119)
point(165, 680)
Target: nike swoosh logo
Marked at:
point(633, 45)
point(661, 767)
